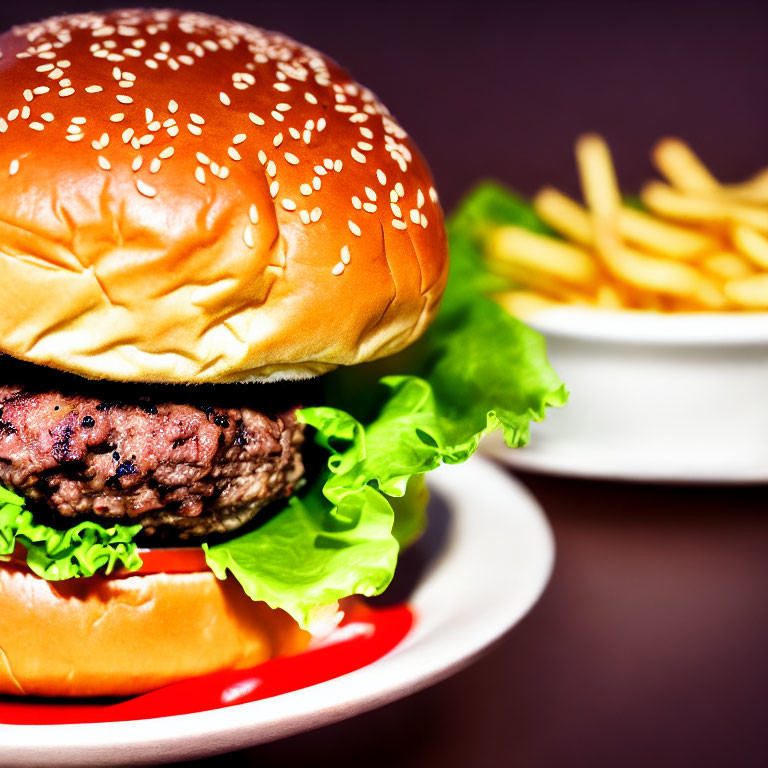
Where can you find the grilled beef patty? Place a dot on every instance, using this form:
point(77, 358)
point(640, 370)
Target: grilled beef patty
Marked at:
point(198, 468)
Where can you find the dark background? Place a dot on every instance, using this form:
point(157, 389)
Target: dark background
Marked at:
point(650, 648)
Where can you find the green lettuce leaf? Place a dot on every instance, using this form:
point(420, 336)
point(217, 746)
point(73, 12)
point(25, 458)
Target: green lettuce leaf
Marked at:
point(476, 369)
point(56, 555)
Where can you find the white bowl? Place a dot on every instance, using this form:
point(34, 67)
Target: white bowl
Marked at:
point(654, 397)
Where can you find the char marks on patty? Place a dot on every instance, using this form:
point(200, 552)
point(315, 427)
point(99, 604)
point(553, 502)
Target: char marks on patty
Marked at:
point(200, 468)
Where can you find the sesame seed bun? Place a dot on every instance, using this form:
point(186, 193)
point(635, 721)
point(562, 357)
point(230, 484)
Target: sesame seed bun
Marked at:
point(188, 199)
point(123, 636)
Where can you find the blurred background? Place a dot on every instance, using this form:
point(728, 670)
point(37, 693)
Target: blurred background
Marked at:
point(649, 647)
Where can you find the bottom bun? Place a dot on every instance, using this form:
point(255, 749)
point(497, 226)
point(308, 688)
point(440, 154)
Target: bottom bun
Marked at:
point(122, 636)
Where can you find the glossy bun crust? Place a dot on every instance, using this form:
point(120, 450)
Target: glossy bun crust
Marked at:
point(116, 637)
point(188, 199)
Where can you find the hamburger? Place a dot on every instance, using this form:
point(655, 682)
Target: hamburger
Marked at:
point(219, 257)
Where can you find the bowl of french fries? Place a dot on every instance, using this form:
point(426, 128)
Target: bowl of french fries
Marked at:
point(655, 313)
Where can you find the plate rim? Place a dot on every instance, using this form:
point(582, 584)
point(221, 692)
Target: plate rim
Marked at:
point(257, 722)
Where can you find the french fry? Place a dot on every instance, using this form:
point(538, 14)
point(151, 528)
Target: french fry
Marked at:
point(702, 210)
point(682, 167)
point(539, 253)
point(572, 220)
point(661, 237)
point(525, 303)
point(727, 266)
point(748, 292)
point(564, 215)
point(700, 246)
point(661, 276)
point(751, 244)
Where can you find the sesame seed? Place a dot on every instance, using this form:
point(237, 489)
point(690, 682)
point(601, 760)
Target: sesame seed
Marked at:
point(420, 199)
point(13, 168)
point(337, 166)
point(155, 125)
point(304, 216)
point(166, 153)
point(12, 115)
point(239, 138)
point(146, 189)
point(194, 129)
point(423, 221)
point(399, 189)
point(320, 170)
point(415, 218)
point(202, 158)
point(262, 156)
point(357, 202)
point(154, 166)
point(3, 125)
point(365, 146)
point(328, 163)
point(200, 174)
point(117, 117)
point(307, 136)
point(315, 214)
point(127, 135)
point(248, 237)
point(317, 182)
point(74, 136)
point(104, 163)
point(277, 116)
point(173, 107)
point(367, 132)
point(288, 204)
point(310, 97)
point(173, 130)
point(196, 119)
point(253, 214)
point(66, 92)
point(321, 124)
point(254, 118)
point(94, 89)
point(370, 194)
point(338, 269)
point(123, 99)
point(381, 176)
point(136, 164)
point(397, 224)
point(234, 154)
point(396, 210)
point(224, 172)
point(28, 95)
point(225, 100)
point(278, 140)
point(40, 90)
point(345, 257)
point(104, 139)
point(274, 188)
point(25, 113)
point(283, 87)
point(354, 229)
point(291, 158)
point(79, 120)
point(151, 63)
point(36, 126)
point(369, 207)
point(294, 133)
point(272, 168)
point(135, 143)
point(74, 129)
point(44, 68)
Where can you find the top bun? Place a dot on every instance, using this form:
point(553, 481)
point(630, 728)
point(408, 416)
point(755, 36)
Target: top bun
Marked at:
point(189, 199)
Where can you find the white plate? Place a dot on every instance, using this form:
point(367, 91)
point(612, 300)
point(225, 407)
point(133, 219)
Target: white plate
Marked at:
point(654, 397)
point(492, 566)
